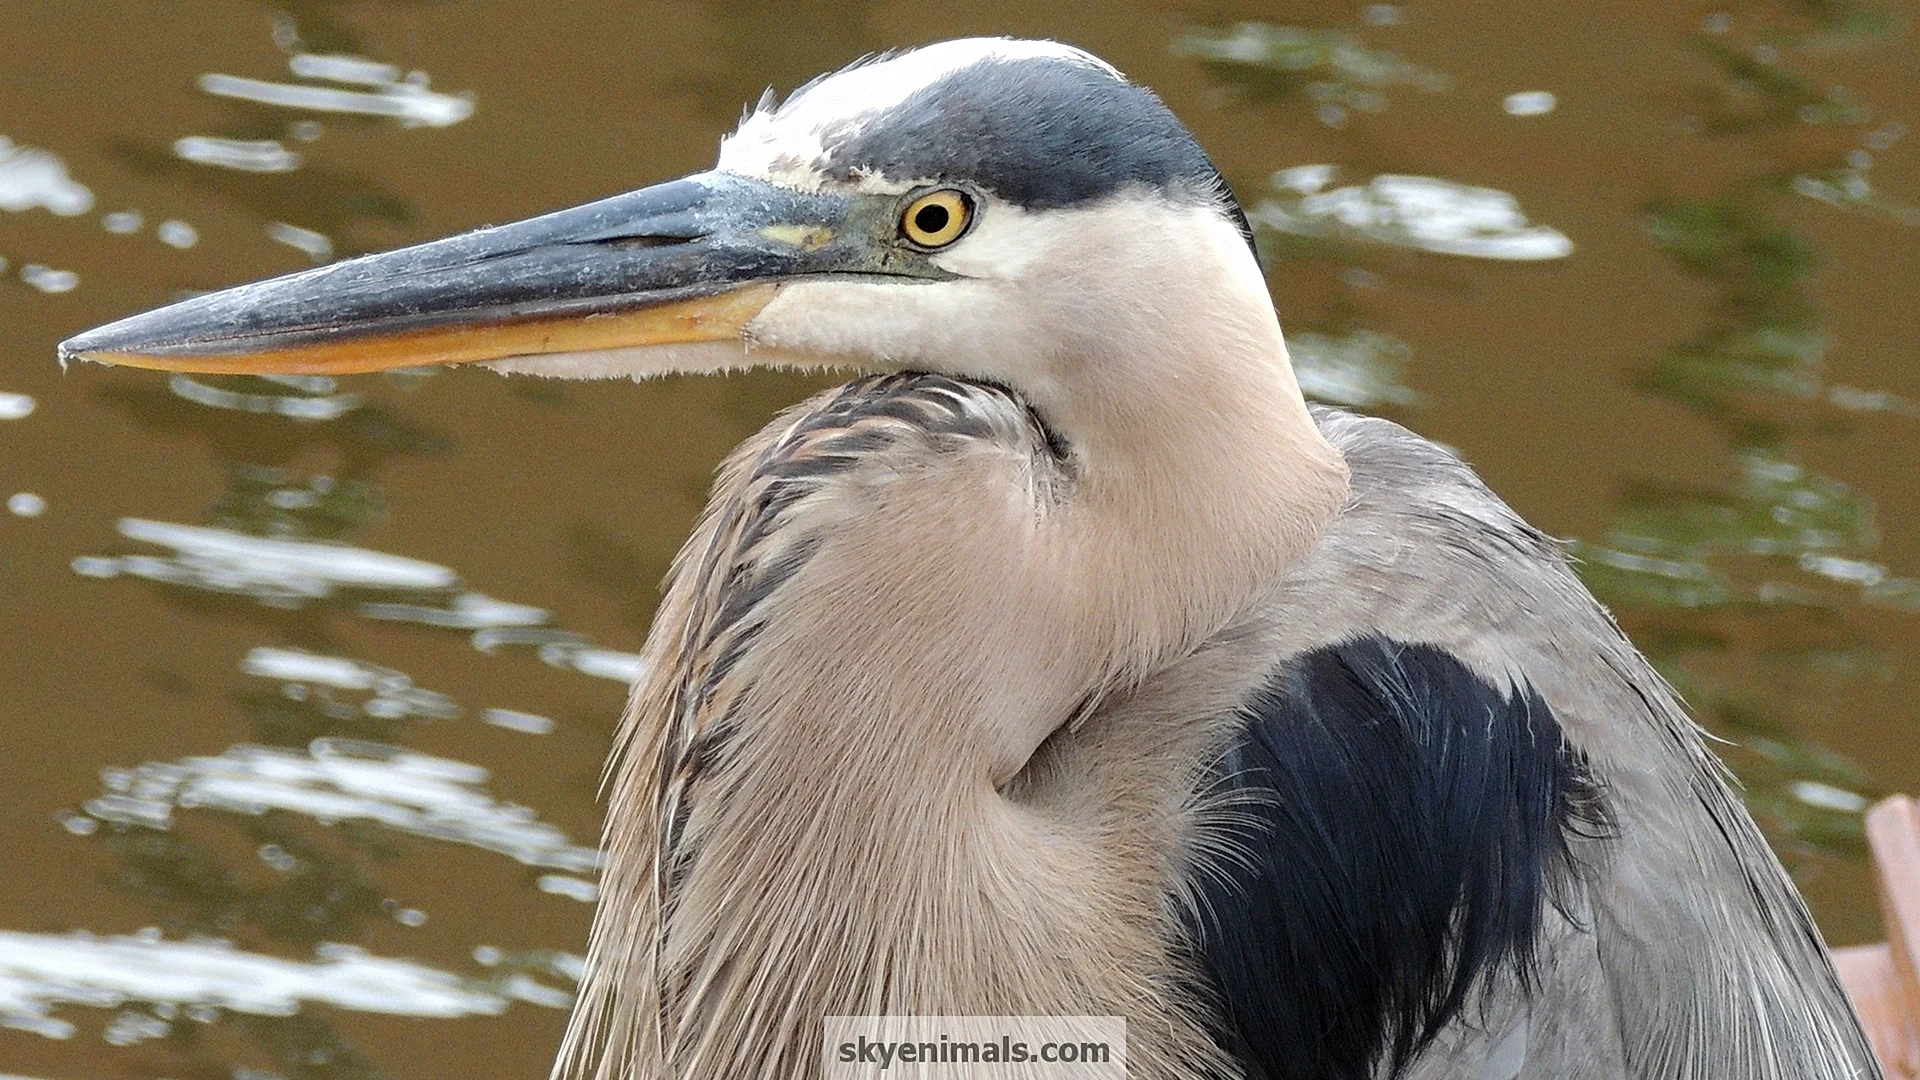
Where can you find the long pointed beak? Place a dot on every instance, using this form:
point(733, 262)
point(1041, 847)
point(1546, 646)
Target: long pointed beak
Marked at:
point(691, 260)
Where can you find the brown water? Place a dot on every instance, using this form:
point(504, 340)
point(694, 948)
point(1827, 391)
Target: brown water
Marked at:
point(1713, 393)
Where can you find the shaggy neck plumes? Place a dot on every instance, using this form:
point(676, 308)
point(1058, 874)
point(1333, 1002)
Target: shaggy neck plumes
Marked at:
point(897, 594)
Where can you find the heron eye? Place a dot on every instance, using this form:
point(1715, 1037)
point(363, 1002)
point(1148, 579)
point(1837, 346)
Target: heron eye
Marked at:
point(937, 218)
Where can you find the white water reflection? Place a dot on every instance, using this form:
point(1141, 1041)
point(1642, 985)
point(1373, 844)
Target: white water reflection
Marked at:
point(317, 401)
point(1422, 212)
point(1855, 399)
point(1359, 370)
point(564, 648)
point(467, 611)
point(334, 67)
point(1334, 70)
point(336, 780)
point(409, 102)
point(123, 222)
point(16, 406)
point(393, 695)
point(47, 279)
point(226, 561)
point(1849, 189)
point(515, 720)
point(1530, 103)
point(621, 667)
point(201, 978)
point(177, 234)
point(315, 245)
point(1827, 797)
point(242, 155)
point(298, 665)
point(575, 888)
point(31, 177)
point(291, 573)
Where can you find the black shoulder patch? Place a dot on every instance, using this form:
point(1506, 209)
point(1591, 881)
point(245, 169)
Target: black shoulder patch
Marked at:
point(1039, 132)
point(1396, 825)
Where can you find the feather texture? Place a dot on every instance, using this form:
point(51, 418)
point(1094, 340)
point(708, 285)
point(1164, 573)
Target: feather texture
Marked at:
point(1401, 826)
point(817, 840)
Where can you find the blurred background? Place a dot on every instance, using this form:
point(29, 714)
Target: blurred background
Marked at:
point(308, 683)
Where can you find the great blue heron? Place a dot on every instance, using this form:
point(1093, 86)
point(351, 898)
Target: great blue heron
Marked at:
point(1067, 662)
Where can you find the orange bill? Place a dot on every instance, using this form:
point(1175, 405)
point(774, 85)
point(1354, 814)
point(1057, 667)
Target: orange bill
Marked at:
point(719, 317)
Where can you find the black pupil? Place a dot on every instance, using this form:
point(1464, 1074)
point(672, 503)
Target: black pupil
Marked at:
point(931, 218)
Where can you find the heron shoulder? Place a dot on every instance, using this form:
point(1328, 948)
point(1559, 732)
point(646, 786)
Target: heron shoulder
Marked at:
point(1426, 553)
point(1396, 472)
point(1400, 838)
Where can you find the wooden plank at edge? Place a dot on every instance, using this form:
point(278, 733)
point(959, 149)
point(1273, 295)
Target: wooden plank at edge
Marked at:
point(1893, 834)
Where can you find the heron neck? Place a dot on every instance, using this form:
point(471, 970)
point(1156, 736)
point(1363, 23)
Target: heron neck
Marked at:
point(888, 801)
point(1202, 478)
point(825, 808)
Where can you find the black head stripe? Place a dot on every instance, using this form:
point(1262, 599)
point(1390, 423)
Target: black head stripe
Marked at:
point(1039, 132)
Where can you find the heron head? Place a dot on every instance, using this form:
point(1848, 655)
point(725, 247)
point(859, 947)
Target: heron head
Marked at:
point(1014, 211)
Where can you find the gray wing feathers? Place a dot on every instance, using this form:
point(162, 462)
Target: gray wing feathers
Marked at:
point(1698, 953)
point(1566, 1029)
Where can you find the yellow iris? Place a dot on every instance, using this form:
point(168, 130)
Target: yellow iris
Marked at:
point(937, 218)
